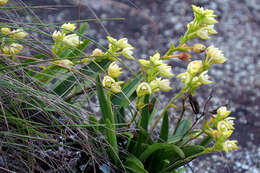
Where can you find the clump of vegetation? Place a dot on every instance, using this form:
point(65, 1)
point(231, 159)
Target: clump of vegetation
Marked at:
point(46, 86)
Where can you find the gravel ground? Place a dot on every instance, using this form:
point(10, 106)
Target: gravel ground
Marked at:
point(151, 24)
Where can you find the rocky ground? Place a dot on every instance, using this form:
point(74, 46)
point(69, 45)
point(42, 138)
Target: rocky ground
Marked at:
point(152, 24)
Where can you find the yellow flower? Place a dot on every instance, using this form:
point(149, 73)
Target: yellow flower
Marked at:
point(207, 15)
point(127, 52)
point(64, 62)
point(203, 33)
point(19, 33)
point(217, 57)
point(68, 27)
point(143, 89)
point(185, 77)
point(198, 48)
point(15, 48)
point(72, 40)
point(223, 126)
point(165, 70)
point(3, 2)
point(6, 50)
point(144, 63)
point(194, 67)
point(222, 112)
point(204, 78)
point(155, 60)
point(6, 31)
point(85, 60)
point(97, 52)
point(114, 70)
point(230, 122)
point(158, 84)
point(230, 145)
point(108, 81)
point(120, 44)
point(115, 87)
point(56, 35)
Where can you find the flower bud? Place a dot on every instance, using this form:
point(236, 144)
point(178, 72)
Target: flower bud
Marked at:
point(6, 31)
point(85, 60)
point(114, 70)
point(64, 62)
point(3, 2)
point(68, 27)
point(198, 48)
point(97, 52)
point(56, 35)
point(184, 56)
point(143, 89)
point(194, 67)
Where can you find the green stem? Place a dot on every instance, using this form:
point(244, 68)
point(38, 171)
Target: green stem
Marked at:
point(165, 109)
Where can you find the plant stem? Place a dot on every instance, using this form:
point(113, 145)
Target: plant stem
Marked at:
point(165, 109)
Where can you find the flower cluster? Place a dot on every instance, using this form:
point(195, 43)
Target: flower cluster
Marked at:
point(62, 40)
point(110, 80)
point(119, 47)
point(13, 48)
point(220, 127)
point(154, 68)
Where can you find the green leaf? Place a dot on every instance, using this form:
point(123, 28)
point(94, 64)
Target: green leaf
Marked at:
point(165, 127)
point(206, 141)
point(185, 124)
point(145, 113)
point(134, 165)
point(190, 150)
point(160, 146)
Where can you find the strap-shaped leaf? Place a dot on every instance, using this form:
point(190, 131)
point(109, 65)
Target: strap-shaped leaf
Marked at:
point(160, 146)
point(134, 165)
point(185, 124)
point(165, 127)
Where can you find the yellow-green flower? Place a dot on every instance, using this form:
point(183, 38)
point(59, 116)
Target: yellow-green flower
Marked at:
point(6, 31)
point(15, 48)
point(56, 35)
point(204, 78)
point(19, 33)
point(115, 87)
point(159, 84)
point(217, 57)
point(165, 70)
point(72, 40)
point(68, 27)
point(185, 77)
point(127, 52)
point(108, 81)
point(222, 112)
point(3, 2)
point(230, 122)
point(143, 89)
point(64, 62)
point(155, 60)
point(206, 15)
point(223, 126)
point(203, 33)
point(97, 52)
point(198, 47)
point(230, 145)
point(194, 67)
point(144, 63)
point(114, 70)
